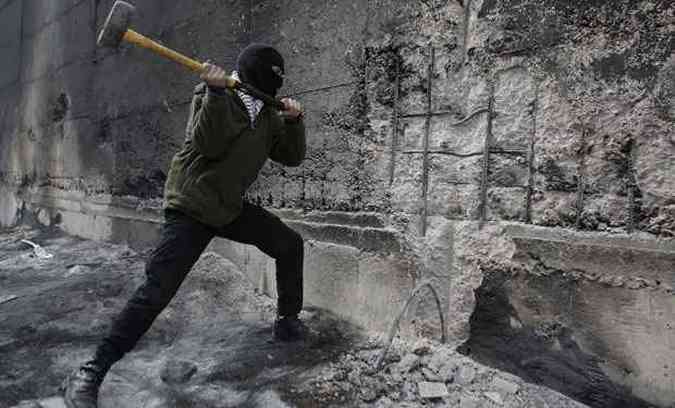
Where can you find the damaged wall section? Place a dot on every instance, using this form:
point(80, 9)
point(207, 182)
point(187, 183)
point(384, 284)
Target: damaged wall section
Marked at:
point(435, 128)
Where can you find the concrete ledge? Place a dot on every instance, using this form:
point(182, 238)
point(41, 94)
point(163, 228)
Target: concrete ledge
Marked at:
point(366, 239)
point(360, 219)
point(353, 267)
point(616, 260)
point(590, 238)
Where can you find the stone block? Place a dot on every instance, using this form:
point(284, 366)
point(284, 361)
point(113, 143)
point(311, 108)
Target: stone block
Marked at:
point(431, 390)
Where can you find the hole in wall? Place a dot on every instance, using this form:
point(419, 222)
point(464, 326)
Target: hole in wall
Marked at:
point(59, 108)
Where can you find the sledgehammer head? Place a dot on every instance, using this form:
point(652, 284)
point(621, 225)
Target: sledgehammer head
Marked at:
point(116, 24)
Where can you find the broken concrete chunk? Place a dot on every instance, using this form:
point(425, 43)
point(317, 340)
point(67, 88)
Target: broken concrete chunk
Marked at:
point(539, 402)
point(78, 270)
point(408, 363)
point(408, 391)
point(368, 395)
point(440, 358)
point(469, 402)
point(431, 375)
point(422, 347)
point(392, 358)
point(177, 372)
point(504, 387)
point(430, 390)
point(54, 402)
point(466, 375)
point(384, 402)
point(447, 371)
point(495, 397)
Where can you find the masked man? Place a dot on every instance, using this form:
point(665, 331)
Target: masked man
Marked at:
point(230, 135)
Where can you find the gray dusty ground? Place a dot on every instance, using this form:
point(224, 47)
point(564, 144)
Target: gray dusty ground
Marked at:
point(212, 347)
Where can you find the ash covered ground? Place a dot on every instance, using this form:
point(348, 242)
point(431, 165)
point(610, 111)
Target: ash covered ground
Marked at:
point(212, 347)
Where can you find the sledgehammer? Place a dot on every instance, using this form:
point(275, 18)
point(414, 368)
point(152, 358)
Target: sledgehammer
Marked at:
point(116, 29)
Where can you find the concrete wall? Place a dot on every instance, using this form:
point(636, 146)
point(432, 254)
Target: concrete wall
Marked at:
point(436, 129)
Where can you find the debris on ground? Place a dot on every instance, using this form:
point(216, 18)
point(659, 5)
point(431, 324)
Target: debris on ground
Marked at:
point(7, 298)
point(441, 377)
point(38, 251)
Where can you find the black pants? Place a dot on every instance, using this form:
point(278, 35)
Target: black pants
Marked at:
point(182, 241)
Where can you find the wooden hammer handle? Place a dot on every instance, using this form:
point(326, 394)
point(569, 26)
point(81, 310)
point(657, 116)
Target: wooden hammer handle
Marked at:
point(140, 40)
point(133, 37)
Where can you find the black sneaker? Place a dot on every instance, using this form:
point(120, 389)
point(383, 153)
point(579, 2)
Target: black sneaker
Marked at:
point(81, 387)
point(289, 328)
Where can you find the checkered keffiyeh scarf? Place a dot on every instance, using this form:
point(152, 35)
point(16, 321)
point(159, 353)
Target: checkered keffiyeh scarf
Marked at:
point(253, 105)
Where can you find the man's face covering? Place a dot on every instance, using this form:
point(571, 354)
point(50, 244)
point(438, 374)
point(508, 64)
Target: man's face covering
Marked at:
point(262, 66)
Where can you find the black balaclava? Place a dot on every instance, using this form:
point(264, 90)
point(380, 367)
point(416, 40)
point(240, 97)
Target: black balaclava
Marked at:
point(255, 67)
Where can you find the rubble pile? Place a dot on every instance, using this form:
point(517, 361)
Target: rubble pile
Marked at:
point(422, 374)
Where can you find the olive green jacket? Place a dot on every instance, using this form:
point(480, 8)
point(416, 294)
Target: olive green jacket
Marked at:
point(223, 154)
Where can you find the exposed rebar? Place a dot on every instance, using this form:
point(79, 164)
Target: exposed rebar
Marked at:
point(395, 325)
point(427, 131)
